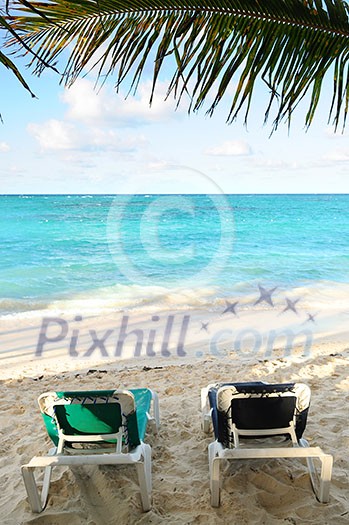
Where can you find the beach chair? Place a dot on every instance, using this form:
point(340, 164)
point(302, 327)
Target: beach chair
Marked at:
point(95, 428)
point(260, 420)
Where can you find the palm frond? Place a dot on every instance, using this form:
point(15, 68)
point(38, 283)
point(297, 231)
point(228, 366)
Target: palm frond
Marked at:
point(211, 45)
point(7, 62)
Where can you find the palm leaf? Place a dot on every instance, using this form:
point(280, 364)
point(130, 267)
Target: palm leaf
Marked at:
point(5, 61)
point(211, 45)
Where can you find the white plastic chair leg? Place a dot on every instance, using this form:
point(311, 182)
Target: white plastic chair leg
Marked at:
point(46, 486)
point(144, 477)
point(214, 470)
point(37, 501)
point(215, 482)
point(320, 484)
point(32, 489)
point(326, 474)
point(211, 455)
point(147, 464)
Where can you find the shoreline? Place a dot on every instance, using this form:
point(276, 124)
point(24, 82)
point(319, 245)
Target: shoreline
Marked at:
point(50, 339)
point(180, 351)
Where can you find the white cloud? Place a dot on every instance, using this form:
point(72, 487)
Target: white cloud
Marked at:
point(55, 135)
point(4, 147)
point(230, 148)
point(331, 133)
point(85, 104)
point(61, 136)
point(103, 139)
point(337, 155)
point(93, 119)
point(157, 165)
point(277, 164)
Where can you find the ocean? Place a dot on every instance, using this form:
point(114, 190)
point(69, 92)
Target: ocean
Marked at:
point(92, 252)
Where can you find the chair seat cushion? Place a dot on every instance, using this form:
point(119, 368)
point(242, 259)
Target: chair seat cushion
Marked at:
point(257, 405)
point(89, 412)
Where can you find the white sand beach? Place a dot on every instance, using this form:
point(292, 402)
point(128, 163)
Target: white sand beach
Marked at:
point(254, 492)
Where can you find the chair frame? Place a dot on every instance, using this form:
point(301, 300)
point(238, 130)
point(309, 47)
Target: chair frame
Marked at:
point(140, 457)
point(299, 449)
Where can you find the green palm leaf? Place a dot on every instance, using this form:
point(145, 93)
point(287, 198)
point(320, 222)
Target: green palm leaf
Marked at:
point(5, 61)
point(289, 45)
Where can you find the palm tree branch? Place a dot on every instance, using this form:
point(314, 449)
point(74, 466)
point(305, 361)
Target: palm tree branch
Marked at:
point(207, 43)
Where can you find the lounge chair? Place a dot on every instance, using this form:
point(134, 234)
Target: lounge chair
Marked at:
point(95, 428)
point(270, 420)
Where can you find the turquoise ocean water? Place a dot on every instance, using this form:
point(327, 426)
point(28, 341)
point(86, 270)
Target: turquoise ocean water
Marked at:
point(172, 250)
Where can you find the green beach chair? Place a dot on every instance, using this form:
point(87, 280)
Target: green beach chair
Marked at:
point(97, 427)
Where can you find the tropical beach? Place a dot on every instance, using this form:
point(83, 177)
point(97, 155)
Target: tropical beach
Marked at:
point(144, 248)
point(254, 492)
point(175, 334)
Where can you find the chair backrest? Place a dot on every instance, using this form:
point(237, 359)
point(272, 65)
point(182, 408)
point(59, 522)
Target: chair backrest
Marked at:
point(97, 412)
point(259, 406)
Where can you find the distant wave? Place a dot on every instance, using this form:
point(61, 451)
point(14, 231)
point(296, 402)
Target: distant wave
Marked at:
point(310, 297)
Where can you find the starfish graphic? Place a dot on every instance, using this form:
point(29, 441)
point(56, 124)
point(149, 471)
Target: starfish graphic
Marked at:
point(311, 318)
point(291, 305)
point(204, 326)
point(265, 295)
point(230, 307)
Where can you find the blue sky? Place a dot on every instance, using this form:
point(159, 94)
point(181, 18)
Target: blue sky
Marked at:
point(83, 141)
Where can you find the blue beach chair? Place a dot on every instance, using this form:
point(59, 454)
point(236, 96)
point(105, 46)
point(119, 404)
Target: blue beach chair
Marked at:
point(260, 420)
point(100, 427)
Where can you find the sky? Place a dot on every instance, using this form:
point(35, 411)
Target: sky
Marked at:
point(81, 140)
